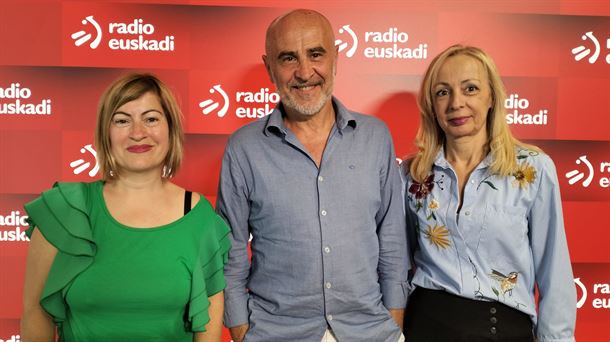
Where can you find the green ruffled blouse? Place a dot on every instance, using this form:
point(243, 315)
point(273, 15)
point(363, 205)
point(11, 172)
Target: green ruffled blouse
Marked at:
point(111, 282)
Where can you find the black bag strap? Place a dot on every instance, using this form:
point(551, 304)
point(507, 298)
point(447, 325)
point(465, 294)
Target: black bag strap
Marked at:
point(187, 201)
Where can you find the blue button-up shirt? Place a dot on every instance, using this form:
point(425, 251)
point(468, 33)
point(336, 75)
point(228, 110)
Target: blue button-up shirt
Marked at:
point(507, 237)
point(328, 243)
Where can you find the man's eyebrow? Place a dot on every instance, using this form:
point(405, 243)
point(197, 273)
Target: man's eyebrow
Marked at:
point(283, 54)
point(317, 49)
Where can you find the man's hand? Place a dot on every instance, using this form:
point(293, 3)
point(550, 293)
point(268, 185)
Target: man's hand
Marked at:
point(239, 332)
point(399, 316)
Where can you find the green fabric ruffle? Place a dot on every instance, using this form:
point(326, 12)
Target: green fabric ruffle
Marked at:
point(208, 276)
point(61, 216)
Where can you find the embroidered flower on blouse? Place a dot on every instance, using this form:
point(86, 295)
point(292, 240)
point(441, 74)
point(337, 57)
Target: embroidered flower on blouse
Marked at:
point(524, 176)
point(438, 236)
point(421, 190)
point(433, 205)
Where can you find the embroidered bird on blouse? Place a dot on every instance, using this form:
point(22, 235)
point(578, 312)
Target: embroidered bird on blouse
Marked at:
point(507, 282)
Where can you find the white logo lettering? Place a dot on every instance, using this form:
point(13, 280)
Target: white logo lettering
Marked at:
point(583, 289)
point(247, 103)
point(210, 105)
point(14, 338)
point(576, 175)
point(18, 104)
point(131, 36)
point(343, 45)
point(16, 235)
point(81, 165)
point(81, 37)
point(582, 51)
point(390, 44)
point(13, 219)
point(599, 292)
point(516, 104)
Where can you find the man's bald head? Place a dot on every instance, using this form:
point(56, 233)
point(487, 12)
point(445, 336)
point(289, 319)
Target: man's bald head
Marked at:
point(295, 20)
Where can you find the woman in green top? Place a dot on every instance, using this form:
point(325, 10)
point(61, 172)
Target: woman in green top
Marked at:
point(132, 257)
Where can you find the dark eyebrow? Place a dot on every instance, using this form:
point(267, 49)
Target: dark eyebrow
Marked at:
point(144, 112)
point(317, 49)
point(283, 54)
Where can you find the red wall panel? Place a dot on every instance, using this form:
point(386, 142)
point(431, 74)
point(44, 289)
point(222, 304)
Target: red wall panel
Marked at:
point(554, 57)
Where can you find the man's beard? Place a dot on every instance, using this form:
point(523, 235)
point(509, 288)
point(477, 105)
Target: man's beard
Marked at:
point(305, 109)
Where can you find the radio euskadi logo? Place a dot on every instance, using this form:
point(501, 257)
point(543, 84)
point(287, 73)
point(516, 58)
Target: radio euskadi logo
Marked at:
point(13, 226)
point(520, 113)
point(586, 175)
point(81, 165)
point(389, 44)
point(136, 35)
point(599, 294)
point(592, 48)
point(15, 98)
point(248, 105)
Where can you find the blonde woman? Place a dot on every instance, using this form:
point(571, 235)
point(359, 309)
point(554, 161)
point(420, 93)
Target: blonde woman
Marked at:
point(485, 212)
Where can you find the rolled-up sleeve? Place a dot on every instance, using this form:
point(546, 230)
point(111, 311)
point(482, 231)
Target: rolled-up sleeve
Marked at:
point(557, 299)
point(232, 205)
point(394, 262)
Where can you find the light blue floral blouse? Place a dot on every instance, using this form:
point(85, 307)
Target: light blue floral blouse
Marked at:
point(507, 238)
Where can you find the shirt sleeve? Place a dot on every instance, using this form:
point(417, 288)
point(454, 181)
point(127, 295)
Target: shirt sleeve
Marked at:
point(557, 292)
point(391, 231)
point(232, 205)
point(411, 220)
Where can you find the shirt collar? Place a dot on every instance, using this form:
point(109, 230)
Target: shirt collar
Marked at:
point(275, 122)
point(441, 162)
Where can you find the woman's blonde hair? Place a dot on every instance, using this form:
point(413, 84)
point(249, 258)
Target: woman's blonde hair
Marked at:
point(430, 137)
point(127, 89)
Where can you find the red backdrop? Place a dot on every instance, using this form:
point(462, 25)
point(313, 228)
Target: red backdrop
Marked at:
point(56, 57)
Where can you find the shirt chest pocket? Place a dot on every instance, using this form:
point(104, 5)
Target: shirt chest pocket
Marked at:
point(504, 233)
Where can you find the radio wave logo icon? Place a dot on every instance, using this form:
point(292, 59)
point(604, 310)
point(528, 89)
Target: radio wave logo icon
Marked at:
point(582, 51)
point(576, 175)
point(583, 289)
point(81, 165)
point(210, 105)
point(343, 45)
point(81, 37)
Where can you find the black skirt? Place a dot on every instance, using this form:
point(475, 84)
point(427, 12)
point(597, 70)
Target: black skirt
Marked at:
point(437, 316)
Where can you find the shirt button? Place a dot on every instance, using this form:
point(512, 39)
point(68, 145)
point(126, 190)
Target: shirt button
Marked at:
point(329, 317)
point(321, 179)
point(328, 285)
point(493, 320)
point(492, 330)
point(323, 213)
point(327, 249)
point(467, 213)
point(492, 310)
point(472, 181)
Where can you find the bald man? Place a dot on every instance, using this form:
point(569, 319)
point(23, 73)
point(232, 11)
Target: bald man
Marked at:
point(317, 187)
